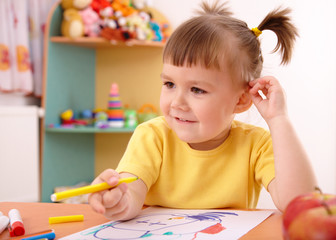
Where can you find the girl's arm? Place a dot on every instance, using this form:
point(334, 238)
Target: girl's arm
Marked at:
point(293, 172)
point(122, 202)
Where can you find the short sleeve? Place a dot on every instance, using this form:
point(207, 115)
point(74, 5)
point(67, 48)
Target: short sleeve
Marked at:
point(143, 155)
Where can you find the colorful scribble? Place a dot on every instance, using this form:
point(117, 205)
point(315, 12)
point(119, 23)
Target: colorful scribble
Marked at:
point(156, 223)
point(162, 226)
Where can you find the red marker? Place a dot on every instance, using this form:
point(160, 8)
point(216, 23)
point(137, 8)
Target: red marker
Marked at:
point(16, 227)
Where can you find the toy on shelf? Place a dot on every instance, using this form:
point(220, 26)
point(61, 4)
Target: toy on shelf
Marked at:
point(91, 21)
point(147, 112)
point(68, 120)
point(114, 117)
point(115, 112)
point(72, 24)
point(114, 20)
point(101, 120)
point(76, 4)
point(131, 119)
point(67, 115)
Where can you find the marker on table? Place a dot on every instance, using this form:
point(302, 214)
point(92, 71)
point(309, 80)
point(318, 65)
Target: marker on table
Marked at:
point(16, 227)
point(88, 189)
point(64, 219)
point(4, 221)
point(34, 234)
point(48, 236)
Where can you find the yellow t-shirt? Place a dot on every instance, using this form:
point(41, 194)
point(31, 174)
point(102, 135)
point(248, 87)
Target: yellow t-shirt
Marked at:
point(178, 176)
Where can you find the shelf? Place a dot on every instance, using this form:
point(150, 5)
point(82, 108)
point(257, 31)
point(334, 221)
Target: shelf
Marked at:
point(88, 130)
point(95, 42)
point(78, 72)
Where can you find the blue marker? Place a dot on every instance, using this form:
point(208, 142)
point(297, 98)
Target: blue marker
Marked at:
point(48, 236)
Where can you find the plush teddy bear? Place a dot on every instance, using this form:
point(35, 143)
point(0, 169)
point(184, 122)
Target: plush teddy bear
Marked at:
point(72, 24)
point(76, 4)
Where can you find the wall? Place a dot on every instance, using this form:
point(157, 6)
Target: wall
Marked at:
point(19, 158)
point(309, 80)
point(137, 72)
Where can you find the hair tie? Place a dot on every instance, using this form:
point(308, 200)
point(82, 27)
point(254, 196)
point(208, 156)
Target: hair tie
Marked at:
point(256, 31)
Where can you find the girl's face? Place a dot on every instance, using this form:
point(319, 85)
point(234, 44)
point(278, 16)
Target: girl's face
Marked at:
point(199, 104)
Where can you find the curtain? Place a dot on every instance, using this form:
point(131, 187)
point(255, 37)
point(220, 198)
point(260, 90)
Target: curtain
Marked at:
point(21, 45)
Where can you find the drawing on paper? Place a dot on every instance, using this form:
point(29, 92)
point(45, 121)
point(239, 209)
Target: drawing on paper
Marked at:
point(162, 226)
point(155, 223)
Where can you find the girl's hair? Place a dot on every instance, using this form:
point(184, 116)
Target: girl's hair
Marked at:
point(215, 38)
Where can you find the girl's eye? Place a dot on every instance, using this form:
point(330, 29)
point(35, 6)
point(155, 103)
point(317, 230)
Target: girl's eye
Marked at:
point(197, 90)
point(169, 84)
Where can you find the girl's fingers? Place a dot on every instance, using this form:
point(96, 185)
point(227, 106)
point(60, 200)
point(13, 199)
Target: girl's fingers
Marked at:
point(109, 175)
point(263, 84)
point(121, 206)
point(111, 198)
point(95, 201)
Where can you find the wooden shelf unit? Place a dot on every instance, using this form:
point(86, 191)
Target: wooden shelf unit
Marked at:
point(77, 75)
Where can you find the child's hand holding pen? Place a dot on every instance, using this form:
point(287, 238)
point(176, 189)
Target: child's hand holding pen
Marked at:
point(120, 202)
point(110, 202)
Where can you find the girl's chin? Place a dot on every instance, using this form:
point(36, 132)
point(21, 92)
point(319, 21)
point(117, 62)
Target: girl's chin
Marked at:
point(187, 137)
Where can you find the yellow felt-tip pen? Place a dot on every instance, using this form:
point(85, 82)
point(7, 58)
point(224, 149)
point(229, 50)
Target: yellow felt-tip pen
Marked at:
point(88, 189)
point(65, 219)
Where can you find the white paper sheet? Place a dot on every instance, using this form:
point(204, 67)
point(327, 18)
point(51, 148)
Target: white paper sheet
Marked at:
point(164, 223)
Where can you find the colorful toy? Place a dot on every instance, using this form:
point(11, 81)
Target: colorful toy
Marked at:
point(125, 9)
point(91, 21)
point(87, 114)
point(115, 112)
point(157, 31)
point(131, 120)
point(139, 4)
point(68, 119)
point(67, 115)
point(101, 120)
point(139, 24)
point(106, 15)
point(98, 5)
point(147, 112)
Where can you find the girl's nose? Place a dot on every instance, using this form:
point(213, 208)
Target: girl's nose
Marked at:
point(179, 102)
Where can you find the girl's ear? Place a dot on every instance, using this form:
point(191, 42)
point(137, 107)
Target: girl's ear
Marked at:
point(244, 103)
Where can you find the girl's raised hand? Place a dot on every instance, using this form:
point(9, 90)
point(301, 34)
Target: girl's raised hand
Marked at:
point(273, 103)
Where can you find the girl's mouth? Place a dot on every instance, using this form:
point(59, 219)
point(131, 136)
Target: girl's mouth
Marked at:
point(183, 120)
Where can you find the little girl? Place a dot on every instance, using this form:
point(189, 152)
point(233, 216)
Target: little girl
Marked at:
point(196, 155)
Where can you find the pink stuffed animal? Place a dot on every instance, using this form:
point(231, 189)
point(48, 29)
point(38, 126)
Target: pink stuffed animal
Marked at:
point(91, 22)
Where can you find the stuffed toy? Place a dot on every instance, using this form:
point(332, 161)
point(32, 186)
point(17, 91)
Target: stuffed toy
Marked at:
point(157, 31)
point(76, 4)
point(91, 21)
point(98, 5)
point(107, 17)
point(139, 4)
point(139, 23)
point(72, 24)
point(115, 35)
point(119, 6)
